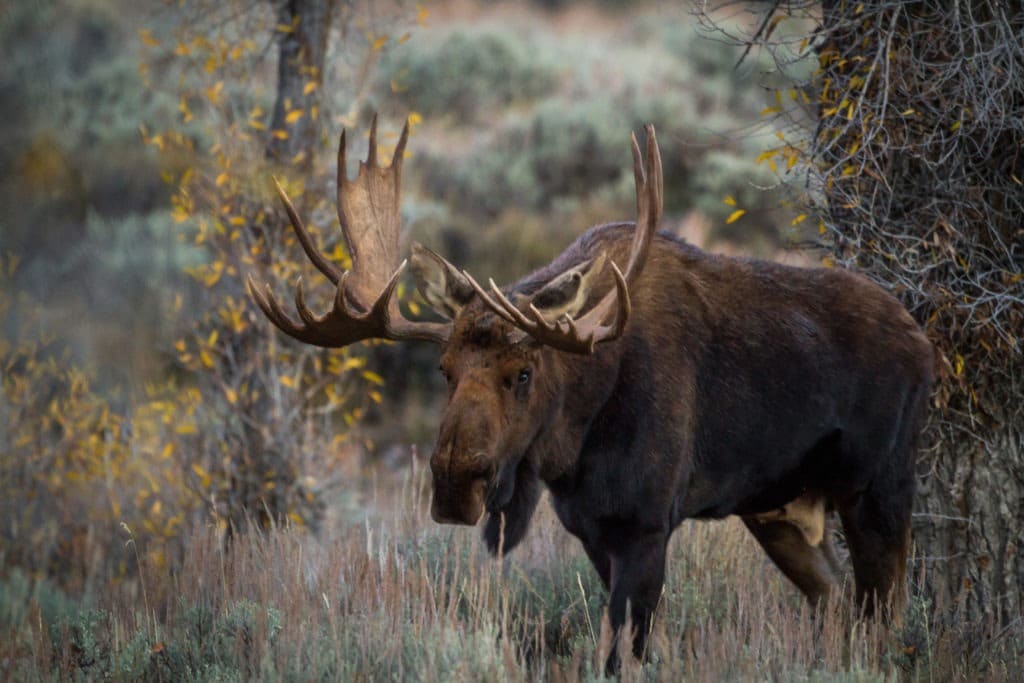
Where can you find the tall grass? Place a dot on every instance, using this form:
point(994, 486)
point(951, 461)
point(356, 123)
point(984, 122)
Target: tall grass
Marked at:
point(394, 596)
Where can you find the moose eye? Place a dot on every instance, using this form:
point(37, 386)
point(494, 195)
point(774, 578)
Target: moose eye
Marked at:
point(524, 376)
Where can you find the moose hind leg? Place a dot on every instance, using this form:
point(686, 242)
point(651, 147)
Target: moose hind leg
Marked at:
point(811, 567)
point(877, 526)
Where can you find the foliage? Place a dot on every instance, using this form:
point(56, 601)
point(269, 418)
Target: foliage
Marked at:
point(64, 447)
point(912, 168)
point(234, 426)
point(467, 74)
point(270, 404)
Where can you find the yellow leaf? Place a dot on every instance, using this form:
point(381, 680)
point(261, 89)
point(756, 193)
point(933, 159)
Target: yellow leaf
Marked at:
point(146, 36)
point(729, 201)
point(373, 377)
point(379, 42)
point(735, 216)
point(288, 381)
point(353, 363)
point(799, 219)
point(375, 396)
point(184, 109)
point(280, 134)
point(309, 87)
point(415, 118)
point(294, 116)
point(167, 451)
point(214, 93)
point(204, 476)
point(231, 395)
point(221, 179)
point(769, 110)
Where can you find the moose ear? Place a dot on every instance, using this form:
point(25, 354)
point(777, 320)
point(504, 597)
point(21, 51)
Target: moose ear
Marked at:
point(443, 287)
point(567, 293)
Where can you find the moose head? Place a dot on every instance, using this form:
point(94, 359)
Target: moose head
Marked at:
point(502, 353)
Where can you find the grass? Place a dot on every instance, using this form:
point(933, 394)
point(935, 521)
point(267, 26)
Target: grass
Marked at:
point(394, 596)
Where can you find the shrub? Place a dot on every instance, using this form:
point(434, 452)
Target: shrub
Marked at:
point(465, 74)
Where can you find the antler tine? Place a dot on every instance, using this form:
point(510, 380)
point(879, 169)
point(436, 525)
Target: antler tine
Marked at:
point(649, 183)
point(330, 271)
point(396, 160)
point(371, 154)
point(507, 305)
point(488, 301)
point(271, 308)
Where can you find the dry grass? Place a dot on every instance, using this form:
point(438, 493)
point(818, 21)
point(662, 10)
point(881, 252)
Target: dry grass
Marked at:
point(395, 596)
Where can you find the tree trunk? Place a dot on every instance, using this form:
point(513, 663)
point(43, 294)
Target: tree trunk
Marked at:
point(969, 522)
point(302, 49)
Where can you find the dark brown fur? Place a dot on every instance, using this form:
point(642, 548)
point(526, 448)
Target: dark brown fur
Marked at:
point(738, 386)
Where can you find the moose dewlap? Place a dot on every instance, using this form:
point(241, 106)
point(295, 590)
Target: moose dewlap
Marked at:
point(644, 381)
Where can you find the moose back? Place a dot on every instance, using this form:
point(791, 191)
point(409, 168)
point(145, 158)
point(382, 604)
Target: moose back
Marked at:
point(643, 382)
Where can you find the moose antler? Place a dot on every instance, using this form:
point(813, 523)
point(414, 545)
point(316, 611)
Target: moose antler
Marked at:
point(594, 326)
point(364, 306)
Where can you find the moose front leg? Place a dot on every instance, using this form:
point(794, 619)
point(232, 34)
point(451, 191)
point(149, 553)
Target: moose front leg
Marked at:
point(637, 577)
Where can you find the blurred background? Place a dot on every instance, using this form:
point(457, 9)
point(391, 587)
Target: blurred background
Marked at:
point(142, 386)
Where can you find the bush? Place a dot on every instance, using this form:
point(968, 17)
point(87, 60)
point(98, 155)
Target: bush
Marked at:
point(466, 74)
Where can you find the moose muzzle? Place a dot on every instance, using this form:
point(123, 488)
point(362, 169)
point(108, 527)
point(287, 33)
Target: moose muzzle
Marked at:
point(458, 497)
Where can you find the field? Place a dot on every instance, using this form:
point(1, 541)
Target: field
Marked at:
point(396, 597)
point(186, 495)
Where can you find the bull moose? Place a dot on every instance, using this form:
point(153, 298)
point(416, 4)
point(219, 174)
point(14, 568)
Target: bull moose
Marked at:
point(689, 385)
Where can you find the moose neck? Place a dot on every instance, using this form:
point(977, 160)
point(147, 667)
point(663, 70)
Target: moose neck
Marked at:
point(585, 386)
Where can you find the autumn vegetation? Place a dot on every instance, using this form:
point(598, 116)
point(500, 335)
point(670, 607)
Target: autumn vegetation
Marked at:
point(185, 494)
